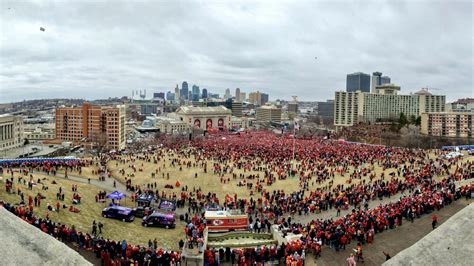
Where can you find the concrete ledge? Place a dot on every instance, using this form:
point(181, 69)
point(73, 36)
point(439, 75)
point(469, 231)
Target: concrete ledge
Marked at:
point(452, 243)
point(24, 244)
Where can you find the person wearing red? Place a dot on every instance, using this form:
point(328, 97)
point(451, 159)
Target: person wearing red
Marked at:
point(434, 221)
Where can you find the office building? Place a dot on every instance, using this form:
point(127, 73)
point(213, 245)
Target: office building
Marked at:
point(227, 94)
point(258, 98)
point(236, 108)
point(243, 97)
point(461, 105)
point(255, 98)
point(293, 106)
point(170, 96)
point(268, 113)
point(184, 90)
point(177, 93)
point(264, 99)
point(39, 132)
point(385, 80)
point(98, 125)
point(358, 82)
point(204, 93)
point(196, 93)
point(351, 108)
point(150, 108)
point(237, 95)
point(11, 132)
point(325, 109)
point(448, 124)
point(159, 95)
point(376, 81)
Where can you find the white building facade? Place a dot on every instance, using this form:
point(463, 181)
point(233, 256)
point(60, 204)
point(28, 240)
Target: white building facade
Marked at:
point(351, 108)
point(11, 132)
point(215, 117)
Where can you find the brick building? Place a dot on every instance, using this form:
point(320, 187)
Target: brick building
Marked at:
point(98, 125)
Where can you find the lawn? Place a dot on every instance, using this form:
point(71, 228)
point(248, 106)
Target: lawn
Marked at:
point(133, 232)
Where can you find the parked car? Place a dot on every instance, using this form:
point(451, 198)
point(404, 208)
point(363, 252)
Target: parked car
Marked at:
point(165, 220)
point(119, 212)
point(142, 211)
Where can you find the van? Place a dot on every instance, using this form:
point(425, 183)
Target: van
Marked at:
point(159, 219)
point(118, 212)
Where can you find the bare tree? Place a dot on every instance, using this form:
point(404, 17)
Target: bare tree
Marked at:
point(99, 142)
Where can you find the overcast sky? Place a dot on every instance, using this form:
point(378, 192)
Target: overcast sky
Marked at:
point(98, 49)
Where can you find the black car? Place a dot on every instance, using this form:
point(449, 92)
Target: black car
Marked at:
point(119, 212)
point(141, 211)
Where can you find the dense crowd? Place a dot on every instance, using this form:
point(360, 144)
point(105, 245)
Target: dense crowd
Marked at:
point(411, 182)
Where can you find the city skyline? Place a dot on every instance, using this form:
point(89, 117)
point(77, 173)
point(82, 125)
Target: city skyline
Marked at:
point(99, 50)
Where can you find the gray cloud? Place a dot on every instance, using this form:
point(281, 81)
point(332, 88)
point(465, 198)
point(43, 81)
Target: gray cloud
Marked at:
point(94, 49)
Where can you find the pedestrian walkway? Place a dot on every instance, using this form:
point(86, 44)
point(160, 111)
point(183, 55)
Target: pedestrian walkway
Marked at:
point(390, 241)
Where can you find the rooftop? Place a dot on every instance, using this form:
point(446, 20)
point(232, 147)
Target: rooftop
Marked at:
point(203, 110)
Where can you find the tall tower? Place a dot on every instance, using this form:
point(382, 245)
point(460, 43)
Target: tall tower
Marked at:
point(184, 90)
point(237, 95)
point(227, 94)
point(177, 94)
point(376, 81)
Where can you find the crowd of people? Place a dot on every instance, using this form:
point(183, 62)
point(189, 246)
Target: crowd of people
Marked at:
point(410, 177)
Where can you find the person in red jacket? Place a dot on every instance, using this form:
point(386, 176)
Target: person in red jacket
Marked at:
point(434, 221)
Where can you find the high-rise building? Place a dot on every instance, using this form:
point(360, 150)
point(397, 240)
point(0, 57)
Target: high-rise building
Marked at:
point(376, 81)
point(177, 94)
point(268, 113)
point(255, 98)
point(170, 96)
point(325, 109)
point(227, 94)
point(449, 124)
point(293, 106)
point(264, 99)
point(11, 132)
point(243, 96)
point(351, 108)
point(237, 95)
point(99, 125)
point(204, 93)
point(236, 108)
point(196, 93)
point(184, 90)
point(358, 81)
point(385, 80)
point(158, 95)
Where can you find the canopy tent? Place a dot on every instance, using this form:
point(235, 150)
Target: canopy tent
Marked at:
point(116, 195)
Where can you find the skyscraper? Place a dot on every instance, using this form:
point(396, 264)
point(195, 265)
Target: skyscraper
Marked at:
point(227, 94)
point(264, 98)
point(204, 93)
point(184, 90)
point(358, 81)
point(196, 93)
point(385, 80)
point(237, 95)
point(177, 94)
point(376, 78)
